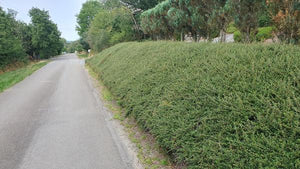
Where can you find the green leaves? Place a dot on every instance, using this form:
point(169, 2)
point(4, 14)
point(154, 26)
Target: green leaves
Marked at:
point(211, 105)
point(87, 13)
point(110, 27)
point(11, 50)
point(172, 17)
point(246, 15)
point(141, 4)
point(45, 35)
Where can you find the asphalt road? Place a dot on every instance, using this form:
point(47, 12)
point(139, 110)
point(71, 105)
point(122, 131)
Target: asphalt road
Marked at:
point(53, 120)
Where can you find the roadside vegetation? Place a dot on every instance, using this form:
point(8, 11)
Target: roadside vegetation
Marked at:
point(10, 78)
point(203, 19)
point(83, 55)
point(149, 153)
point(207, 105)
point(21, 42)
point(104, 24)
point(210, 105)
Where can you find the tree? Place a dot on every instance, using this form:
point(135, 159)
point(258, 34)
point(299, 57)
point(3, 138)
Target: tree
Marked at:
point(245, 14)
point(87, 13)
point(286, 16)
point(156, 21)
point(173, 17)
point(110, 27)
point(141, 4)
point(45, 35)
point(111, 4)
point(24, 33)
point(71, 47)
point(11, 50)
point(176, 20)
point(221, 16)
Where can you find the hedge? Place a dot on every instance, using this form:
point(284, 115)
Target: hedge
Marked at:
point(211, 105)
point(264, 33)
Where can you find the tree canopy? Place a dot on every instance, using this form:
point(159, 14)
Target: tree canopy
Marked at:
point(141, 4)
point(208, 18)
point(110, 27)
point(11, 50)
point(87, 13)
point(45, 35)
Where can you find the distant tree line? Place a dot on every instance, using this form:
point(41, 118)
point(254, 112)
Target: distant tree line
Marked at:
point(102, 24)
point(105, 23)
point(211, 18)
point(72, 46)
point(20, 41)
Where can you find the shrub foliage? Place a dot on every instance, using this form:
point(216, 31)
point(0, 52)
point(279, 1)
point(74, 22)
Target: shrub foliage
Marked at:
point(11, 50)
point(264, 33)
point(211, 105)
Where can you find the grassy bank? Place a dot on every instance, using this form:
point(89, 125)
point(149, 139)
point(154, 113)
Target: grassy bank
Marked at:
point(83, 55)
point(10, 78)
point(211, 105)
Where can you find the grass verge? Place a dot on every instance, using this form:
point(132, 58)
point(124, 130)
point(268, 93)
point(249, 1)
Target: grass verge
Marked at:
point(210, 105)
point(10, 78)
point(83, 55)
point(148, 151)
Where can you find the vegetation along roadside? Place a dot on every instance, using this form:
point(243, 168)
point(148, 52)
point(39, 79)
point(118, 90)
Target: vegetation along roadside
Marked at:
point(210, 105)
point(149, 153)
point(10, 78)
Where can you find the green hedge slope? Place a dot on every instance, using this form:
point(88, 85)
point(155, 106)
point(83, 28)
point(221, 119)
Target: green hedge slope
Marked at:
point(211, 105)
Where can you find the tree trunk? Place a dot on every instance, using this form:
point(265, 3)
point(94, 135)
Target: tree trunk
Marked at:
point(195, 37)
point(222, 35)
point(248, 34)
point(223, 30)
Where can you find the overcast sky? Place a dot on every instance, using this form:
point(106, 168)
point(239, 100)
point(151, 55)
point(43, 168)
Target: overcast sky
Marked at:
point(62, 13)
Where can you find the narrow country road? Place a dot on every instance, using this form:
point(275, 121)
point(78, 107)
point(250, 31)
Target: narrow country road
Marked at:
point(53, 120)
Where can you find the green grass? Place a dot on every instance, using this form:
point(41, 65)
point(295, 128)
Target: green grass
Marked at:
point(10, 78)
point(211, 105)
point(83, 55)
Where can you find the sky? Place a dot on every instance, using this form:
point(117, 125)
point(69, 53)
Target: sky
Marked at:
point(62, 12)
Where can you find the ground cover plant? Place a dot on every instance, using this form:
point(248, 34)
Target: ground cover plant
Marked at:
point(83, 55)
point(211, 105)
point(10, 78)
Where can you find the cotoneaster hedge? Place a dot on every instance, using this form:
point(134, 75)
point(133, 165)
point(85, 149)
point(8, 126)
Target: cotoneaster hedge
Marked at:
point(211, 105)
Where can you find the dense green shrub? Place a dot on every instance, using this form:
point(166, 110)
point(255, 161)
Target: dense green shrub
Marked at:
point(11, 50)
point(211, 105)
point(264, 33)
point(264, 19)
point(231, 28)
point(237, 36)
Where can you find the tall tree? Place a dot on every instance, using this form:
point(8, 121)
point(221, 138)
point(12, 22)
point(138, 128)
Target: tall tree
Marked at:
point(141, 4)
point(245, 13)
point(110, 27)
point(221, 16)
point(286, 16)
point(45, 35)
point(87, 13)
point(24, 33)
point(11, 50)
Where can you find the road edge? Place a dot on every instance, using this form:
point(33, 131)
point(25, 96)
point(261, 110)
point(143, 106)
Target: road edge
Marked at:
point(126, 148)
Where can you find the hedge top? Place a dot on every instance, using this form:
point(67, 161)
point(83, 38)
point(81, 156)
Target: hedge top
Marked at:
point(211, 105)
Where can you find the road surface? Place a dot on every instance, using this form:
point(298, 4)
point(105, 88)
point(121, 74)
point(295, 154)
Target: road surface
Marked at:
point(53, 120)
